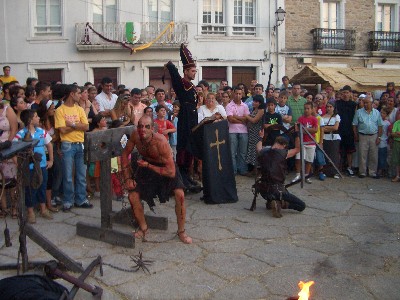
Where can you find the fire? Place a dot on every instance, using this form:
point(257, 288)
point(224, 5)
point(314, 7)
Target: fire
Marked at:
point(305, 290)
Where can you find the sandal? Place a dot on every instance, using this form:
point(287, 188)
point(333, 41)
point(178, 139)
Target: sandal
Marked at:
point(184, 237)
point(52, 209)
point(140, 234)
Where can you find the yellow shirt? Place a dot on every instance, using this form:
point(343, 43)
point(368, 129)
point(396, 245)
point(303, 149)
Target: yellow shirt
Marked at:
point(7, 79)
point(318, 133)
point(73, 114)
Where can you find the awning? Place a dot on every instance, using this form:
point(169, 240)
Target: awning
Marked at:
point(360, 79)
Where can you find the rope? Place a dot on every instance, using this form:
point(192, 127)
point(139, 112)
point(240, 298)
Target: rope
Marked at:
point(123, 44)
point(170, 26)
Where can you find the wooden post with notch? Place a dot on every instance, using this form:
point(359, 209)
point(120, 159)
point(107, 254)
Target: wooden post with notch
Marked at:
point(102, 146)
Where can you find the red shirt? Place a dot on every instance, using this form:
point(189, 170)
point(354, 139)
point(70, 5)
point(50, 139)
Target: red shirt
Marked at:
point(308, 122)
point(162, 125)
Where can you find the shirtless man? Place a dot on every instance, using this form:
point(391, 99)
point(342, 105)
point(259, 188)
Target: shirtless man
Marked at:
point(156, 176)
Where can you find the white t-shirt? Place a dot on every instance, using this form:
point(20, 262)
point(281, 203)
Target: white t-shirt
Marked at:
point(392, 115)
point(204, 112)
point(329, 136)
point(105, 103)
point(384, 137)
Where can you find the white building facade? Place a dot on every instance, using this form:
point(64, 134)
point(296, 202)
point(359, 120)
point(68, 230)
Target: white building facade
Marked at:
point(230, 39)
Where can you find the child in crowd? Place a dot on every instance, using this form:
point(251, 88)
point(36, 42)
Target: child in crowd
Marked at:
point(284, 110)
point(311, 124)
point(33, 196)
point(395, 134)
point(383, 145)
point(100, 123)
point(46, 114)
point(164, 126)
point(149, 111)
point(271, 118)
point(174, 120)
point(116, 169)
point(319, 161)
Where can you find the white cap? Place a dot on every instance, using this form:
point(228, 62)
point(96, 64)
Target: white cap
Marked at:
point(362, 96)
point(48, 104)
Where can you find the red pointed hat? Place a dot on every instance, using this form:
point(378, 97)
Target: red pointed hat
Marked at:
point(186, 58)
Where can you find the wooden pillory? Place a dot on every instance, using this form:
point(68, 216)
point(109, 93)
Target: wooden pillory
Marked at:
point(102, 146)
point(23, 150)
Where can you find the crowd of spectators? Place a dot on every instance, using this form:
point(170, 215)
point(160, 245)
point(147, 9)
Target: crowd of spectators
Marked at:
point(360, 134)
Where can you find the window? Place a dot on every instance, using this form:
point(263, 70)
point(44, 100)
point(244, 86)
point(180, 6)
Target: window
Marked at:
point(160, 11)
point(99, 73)
point(385, 17)
point(104, 11)
point(213, 17)
point(48, 17)
point(333, 35)
point(155, 78)
point(214, 75)
point(330, 15)
point(50, 75)
point(244, 17)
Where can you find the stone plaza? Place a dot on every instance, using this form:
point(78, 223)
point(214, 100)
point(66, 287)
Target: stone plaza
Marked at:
point(347, 240)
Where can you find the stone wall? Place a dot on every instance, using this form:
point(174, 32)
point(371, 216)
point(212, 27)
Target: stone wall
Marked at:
point(360, 16)
point(304, 15)
point(301, 17)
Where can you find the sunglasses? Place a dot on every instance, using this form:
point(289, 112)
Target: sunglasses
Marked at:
point(140, 126)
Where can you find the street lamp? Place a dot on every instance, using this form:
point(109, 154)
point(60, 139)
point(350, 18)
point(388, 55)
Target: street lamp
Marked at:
point(279, 17)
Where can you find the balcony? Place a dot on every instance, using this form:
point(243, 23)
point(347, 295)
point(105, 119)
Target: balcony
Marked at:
point(384, 41)
point(117, 34)
point(333, 39)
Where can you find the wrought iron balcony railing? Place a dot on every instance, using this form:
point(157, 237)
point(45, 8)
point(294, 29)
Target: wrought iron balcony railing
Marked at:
point(115, 33)
point(333, 39)
point(384, 41)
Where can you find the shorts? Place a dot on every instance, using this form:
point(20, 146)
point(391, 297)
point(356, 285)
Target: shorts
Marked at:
point(150, 185)
point(309, 153)
point(319, 158)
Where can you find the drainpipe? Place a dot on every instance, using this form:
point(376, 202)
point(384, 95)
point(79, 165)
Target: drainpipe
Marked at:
point(277, 48)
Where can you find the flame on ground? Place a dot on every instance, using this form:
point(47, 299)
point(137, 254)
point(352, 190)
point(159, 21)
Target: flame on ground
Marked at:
point(305, 290)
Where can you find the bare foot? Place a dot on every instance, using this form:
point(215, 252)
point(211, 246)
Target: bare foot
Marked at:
point(184, 237)
point(140, 234)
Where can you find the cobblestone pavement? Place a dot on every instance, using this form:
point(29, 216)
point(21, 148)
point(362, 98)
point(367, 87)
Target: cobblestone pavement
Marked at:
point(347, 241)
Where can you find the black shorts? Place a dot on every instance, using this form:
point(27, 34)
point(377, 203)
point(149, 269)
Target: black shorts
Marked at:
point(151, 185)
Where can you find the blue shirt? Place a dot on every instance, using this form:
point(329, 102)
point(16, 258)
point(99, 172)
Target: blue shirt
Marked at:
point(173, 137)
point(43, 137)
point(367, 123)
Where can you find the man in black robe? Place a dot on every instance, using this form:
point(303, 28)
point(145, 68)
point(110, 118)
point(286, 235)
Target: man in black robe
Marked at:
point(273, 166)
point(187, 117)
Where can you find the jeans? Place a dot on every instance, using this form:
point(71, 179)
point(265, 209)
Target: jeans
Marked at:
point(57, 174)
point(319, 160)
point(36, 196)
point(238, 143)
point(382, 158)
point(74, 190)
